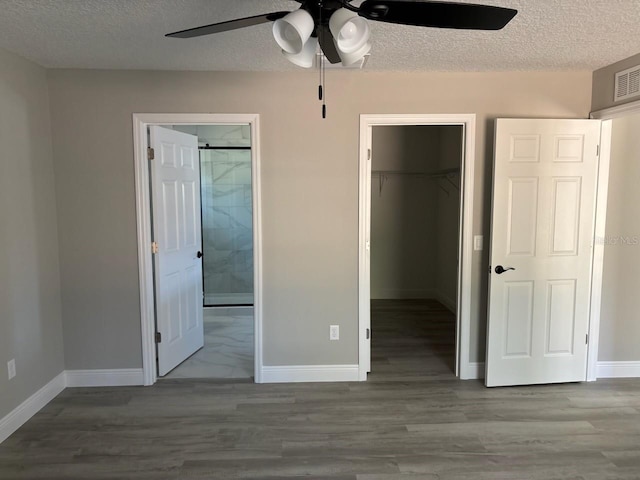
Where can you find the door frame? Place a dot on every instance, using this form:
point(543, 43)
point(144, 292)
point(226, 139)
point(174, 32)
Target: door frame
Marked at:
point(144, 234)
point(606, 115)
point(464, 369)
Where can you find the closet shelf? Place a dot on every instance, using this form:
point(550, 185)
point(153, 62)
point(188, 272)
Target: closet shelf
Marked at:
point(446, 174)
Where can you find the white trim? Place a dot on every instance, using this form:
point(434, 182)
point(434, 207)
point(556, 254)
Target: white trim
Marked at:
point(143, 224)
point(105, 378)
point(617, 111)
point(606, 115)
point(597, 263)
point(32, 405)
point(472, 371)
point(257, 244)
point(463, 302)
point(364, 263)
point(618, 369)
point(310, 373)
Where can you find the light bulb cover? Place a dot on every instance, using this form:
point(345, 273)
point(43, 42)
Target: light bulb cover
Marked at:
point(292, 31)
point(306, 56)
point(350, 31)
point(353, 57)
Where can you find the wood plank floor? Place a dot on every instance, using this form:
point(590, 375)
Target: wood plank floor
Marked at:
point(412, 420)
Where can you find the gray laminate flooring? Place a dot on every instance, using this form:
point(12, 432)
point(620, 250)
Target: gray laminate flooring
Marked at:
point(412, 420)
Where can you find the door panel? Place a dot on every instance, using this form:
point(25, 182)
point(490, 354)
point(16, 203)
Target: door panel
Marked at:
point(175, 177)
point(543, 211)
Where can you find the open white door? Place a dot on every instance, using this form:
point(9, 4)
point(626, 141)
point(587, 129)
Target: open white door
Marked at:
point(544, 191)
point(175, 178)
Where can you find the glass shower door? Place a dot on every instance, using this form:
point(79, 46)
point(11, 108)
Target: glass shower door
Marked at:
point(227, 225)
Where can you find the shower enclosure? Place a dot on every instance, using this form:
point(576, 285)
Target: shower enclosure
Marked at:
point(227, 217)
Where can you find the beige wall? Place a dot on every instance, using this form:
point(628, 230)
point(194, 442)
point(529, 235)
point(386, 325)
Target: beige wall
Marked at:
point(309, 191)
point(604, 84)
point(30, 319)
point(620, 311)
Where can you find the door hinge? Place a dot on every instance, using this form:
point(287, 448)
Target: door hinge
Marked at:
point(368, 154)
point(151, 154)
point(586, 340)
point(597, 150)
point(155, 247)
point(368, 333)
point(158, 337)
point(367, 245)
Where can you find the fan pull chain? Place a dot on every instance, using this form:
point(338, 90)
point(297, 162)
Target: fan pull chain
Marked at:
point(321, 68)
point(324, 96)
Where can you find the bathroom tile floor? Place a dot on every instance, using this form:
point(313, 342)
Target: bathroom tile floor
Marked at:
point(228, 346)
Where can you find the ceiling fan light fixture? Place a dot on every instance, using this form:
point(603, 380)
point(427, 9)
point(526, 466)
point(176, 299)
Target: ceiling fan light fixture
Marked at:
point(293, 31)
point(350, 58)
point(350, 31)
point(305, 57)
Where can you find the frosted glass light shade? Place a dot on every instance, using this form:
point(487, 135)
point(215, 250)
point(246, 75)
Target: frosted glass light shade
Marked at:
point(292, 31)
point(353, 57)
point(306, 56)
point(350, 32)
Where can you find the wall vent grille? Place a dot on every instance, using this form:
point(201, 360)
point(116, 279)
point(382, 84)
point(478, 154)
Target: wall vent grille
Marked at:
point(627, 84)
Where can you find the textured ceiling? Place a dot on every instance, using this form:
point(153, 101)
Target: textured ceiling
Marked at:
point(129, 34)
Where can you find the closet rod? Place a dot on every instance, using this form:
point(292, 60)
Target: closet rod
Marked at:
point(439, 174)
point(447, 174)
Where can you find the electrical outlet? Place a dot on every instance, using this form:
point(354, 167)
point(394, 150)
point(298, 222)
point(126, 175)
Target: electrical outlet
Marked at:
point(334, 332)
point(11, 368)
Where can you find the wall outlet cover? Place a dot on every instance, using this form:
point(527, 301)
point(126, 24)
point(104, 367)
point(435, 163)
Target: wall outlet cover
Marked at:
point(334, 332)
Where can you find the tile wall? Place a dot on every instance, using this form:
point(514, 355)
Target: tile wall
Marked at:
point(227, 233)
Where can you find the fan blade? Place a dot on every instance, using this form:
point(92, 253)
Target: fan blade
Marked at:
point(325, 39)
point(226, 26)
point(437, 14)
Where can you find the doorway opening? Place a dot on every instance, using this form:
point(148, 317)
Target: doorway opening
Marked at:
point(415, 219)
point(416, 203)
point(224, 154)
point(229, 225)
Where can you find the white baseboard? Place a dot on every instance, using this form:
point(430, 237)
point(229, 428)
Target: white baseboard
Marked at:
point(472, 371)
point(310, 373)
point(618, 369)
point(105, 378)
point(32, 405)
point(450, 303)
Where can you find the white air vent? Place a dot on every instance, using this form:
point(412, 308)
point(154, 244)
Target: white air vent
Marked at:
point(627, 84)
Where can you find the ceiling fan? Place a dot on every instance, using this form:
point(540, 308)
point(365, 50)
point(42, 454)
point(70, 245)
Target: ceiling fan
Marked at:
point(341, 29)
point(337, 28)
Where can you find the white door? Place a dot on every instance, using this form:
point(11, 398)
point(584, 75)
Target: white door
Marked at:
point(544, 190)
point(175, 177)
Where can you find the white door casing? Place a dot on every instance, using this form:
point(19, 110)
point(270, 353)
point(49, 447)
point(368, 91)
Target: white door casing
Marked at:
point(543, 211)
point(465, 368)
point(141, 123)
point(175, 177)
